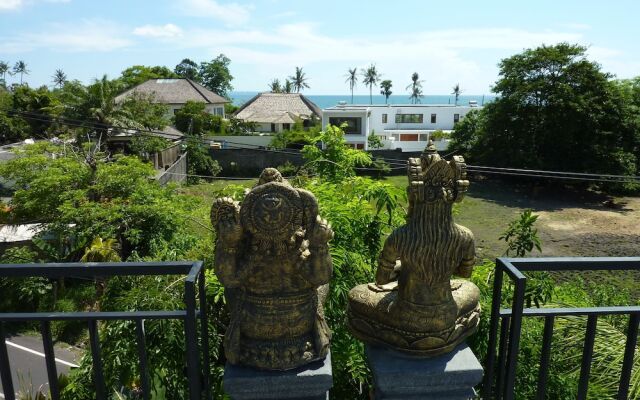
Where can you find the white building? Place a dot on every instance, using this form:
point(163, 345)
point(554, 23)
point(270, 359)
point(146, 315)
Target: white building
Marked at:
point(175, 92)
point(400, 126)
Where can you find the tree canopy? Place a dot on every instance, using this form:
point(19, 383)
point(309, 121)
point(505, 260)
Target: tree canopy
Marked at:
point(215, 75)
point(555, 110)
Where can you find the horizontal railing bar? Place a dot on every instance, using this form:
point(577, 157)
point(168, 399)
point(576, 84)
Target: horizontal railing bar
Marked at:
point(93, 316)
point(96, 269)
point(560, 312)
point(575, 263)
point(194, 271)
point(512, 270)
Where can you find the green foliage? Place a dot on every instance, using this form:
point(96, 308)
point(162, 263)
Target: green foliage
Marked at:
point(145, 111)
point(193, 119)
point(188, 69)
point(215, 75)
point(138, 74)
point(294, 139)
point(199, 161)
point(438, 135)
point(146, 145)
point(386, 89)
point(553, 102)
point(370, 77)
point(374, 141)
point(334, 161)
point(522, 236)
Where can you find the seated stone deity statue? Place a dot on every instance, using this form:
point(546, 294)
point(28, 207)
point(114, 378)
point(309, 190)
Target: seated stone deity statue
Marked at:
point(414, 306)
point(272, 257)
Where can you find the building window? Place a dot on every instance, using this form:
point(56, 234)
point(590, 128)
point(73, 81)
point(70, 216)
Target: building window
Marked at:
point(456, 118)
point(218, 111)
point(384, 118)
point(433, 118)
point(409, 118)
point(273, 127)
point(353, 124)
point(409, 137)
point(286, 127)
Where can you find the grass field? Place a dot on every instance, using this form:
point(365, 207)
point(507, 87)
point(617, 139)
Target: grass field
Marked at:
point(571, 223)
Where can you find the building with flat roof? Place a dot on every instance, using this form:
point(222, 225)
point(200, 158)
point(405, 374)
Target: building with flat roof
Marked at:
point(406, 127)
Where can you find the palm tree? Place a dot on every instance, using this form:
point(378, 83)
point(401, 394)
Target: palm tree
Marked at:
point(386, 89)
point(371, 77)
point(4, 68)
point(275, 87)
point(299, 80)
point(416, 95)
point(352, 78)
point(288, 86)
point(59, 78)
point(20, 68)
point(416, 88)
point(456, 92)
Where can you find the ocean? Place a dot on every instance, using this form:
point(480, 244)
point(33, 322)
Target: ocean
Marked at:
point(325, 100)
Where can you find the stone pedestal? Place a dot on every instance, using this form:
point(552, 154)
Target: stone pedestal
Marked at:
point(309, 382)
point(398, 376)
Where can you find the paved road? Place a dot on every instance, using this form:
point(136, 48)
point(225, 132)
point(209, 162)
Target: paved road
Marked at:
point(26, 356)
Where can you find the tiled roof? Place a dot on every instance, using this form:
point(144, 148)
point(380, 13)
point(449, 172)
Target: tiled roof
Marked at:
point(174, 91)
point(278, 108)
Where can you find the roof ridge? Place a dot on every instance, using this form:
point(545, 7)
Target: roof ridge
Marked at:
point(197, 90)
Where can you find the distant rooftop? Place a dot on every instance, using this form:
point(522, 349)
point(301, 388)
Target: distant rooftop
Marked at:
point(174, 91)
point(278, 108)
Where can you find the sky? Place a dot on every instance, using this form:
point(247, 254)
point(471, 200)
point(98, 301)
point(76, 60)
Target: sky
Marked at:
point(446, 42)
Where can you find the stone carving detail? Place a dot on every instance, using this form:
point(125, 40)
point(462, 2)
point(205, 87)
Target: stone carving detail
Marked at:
point(414, 306)
point(272, 256)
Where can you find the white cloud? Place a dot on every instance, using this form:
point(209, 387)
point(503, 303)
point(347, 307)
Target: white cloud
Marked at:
point(9, 5)
point(12, 5)
point(230, 13)
point(167, 30)
point(83, 36)
point(577, 26)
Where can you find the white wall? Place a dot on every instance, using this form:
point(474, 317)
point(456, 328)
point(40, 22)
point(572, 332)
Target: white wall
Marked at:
point(214, 109)
point(372, 121)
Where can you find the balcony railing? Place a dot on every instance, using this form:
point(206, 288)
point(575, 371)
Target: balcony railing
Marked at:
point(506, 324)
point(194, 282)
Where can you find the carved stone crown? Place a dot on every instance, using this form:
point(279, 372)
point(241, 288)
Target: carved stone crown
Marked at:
point(432, 178)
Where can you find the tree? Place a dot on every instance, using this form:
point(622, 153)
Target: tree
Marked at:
point(416, 88)
point(215, 75)
point(352, 79)
point(288, 87)
point(275, 87)
point(138, 74)
point(193, 119)
point(59, 78)
point(371, 77)
point(386, 89)
point(555, 110)
point(299, 80)
point(4, 68)
point(145, 111)
point(20, 68)
point(188, 69)
point(335, 160)
point(37, 107)
point(456, 92)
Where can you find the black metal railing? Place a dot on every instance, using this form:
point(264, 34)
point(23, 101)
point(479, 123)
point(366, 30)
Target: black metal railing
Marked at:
point(506, 324)
point(198, 379)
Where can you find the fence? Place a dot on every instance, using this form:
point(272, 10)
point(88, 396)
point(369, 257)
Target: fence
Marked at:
point(508, 322)
point(190, 314)
point(166, 157)
point(175, 173)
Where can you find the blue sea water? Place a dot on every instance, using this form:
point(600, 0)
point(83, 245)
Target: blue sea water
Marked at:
point(325, 101)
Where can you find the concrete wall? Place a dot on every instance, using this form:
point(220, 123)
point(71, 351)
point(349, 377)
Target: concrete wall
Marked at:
point(250, 162)
point(248, 141)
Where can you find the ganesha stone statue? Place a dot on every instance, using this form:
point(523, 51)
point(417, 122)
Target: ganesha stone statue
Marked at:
point(414, 306)
point(272, 257)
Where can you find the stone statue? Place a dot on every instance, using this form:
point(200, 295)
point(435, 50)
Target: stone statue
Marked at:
point(272, 256)
point(414, 307)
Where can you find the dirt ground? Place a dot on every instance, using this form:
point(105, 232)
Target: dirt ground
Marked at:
point(570, 223)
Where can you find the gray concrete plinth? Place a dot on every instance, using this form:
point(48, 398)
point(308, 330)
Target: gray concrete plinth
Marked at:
point(309, 382)
point(448, 377)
